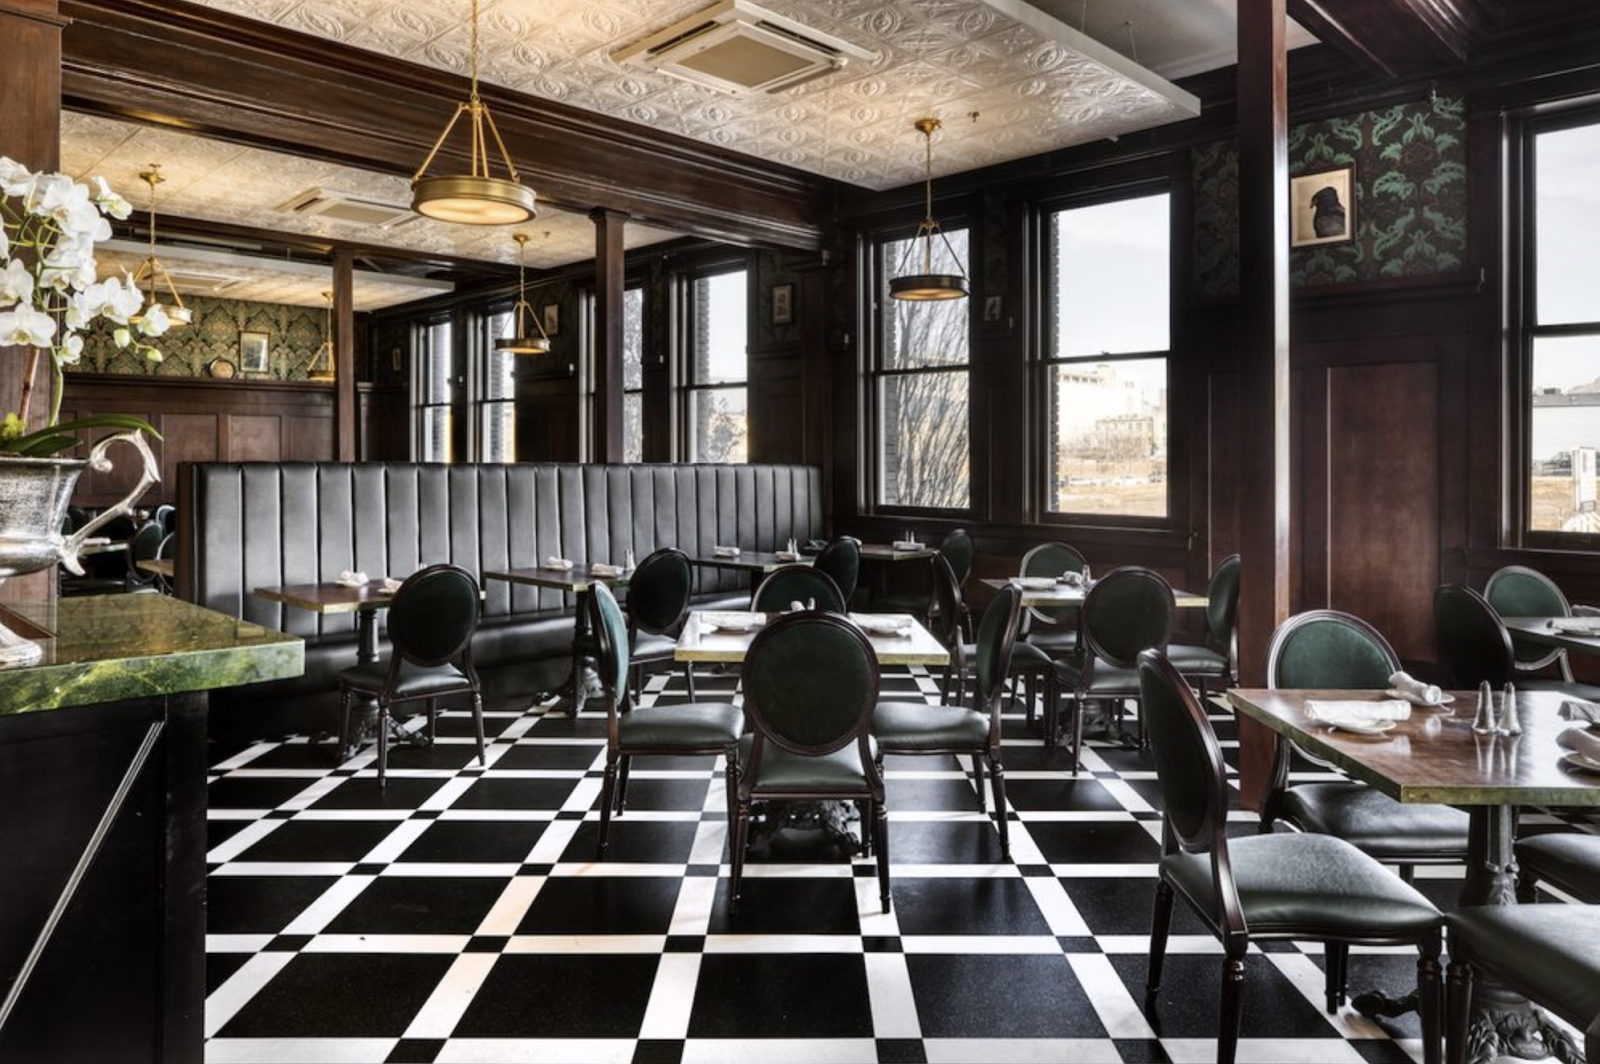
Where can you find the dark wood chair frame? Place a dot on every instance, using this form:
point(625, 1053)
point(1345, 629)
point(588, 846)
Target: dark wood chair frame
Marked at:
point(1228, 922)
point(1557, 655)
point(461, 656)
point(635, 626)
point(747, 788)
point(1465, 966)
point(838, 605)
point(1231, 652)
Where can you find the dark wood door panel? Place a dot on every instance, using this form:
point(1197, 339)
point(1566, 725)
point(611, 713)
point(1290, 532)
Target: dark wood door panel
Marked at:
point(254, 438)
point(186, 438)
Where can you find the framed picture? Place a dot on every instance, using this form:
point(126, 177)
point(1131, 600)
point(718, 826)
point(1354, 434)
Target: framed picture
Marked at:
point(395, 359)
point(253, 352)
point(551, 319)
point(782, 304)
point(992, 306)
point(1323, 208)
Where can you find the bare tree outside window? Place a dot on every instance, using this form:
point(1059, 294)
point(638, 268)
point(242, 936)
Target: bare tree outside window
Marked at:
point(718, 401)
point(497, 401)
point(433, 353)
point(922, 385)
point(633, 375)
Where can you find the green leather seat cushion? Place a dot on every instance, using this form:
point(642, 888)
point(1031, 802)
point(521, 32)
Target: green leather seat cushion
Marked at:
point(414, 680)
point(1024, 657)
point(1106, 681)
point(917, 726)
point(1055, 641)
point(1192, 660)
point(649, 647)
point(1375, 823)
point(1560, 687)
point(1568, 859)
point(1308, 884)
point(782, 771)
point(694, 724)
point(1548, 950)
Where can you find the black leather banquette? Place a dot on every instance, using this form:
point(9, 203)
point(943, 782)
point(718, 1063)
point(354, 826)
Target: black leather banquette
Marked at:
point(249, 525)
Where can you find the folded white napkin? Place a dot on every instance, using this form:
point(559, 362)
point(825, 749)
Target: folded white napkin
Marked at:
point(602, 569)
point(906, 544)
point(1583, 712)
point(1415, 690)
point(787, 555)
point(391, 585)
point(1576, 625)
point(352, 578)
point(1072, 578)
point(730, 621)
point(725, 552)
point(795, 605)
point(1331, 711)
point(553, 562)
point(896, 624)
point(1585, 611)
point(1034, 583)
point(1581, 741)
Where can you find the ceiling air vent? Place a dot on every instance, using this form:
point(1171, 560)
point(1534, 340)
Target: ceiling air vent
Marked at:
point(736, 47)
point(347, 207)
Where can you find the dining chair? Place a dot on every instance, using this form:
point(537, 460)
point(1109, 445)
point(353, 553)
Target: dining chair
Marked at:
point(166, 516)
point(683, 729)
point(658, 601)
point(1474, 645)
point(144, 546)
point(916, 728)
point(1125, 613)
point(431, 621)
point(1263, 887)
point(841, 559)
point(1518, 591)
point(796, 583)
point(1059, 635)
point(1212, 660)
point(167, 551)
point(810, 683)
point(1544, 952)
point(1028, 663)
point(1329, 650)
point(958, 551)
point(1566, 860)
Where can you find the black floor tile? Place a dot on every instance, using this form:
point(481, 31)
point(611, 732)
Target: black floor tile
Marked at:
point(328, 995)
point(782, 995)
point(635, 841)
point(492, 841)
point(418, 905)
point(958, 906)
point(976, 996)
point(602, 905)
point(1188, 1000)
point(1095, 842)
point(561, 996)
point(319, 840)
point(777, 905)
point(259, 905)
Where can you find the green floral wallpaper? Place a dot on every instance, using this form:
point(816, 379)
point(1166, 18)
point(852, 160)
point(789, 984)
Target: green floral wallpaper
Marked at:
point(294, 334)
point(1410, 197)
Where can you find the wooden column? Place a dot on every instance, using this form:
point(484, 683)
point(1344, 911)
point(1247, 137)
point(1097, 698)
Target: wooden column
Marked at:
point(30, 133)
point(344, 353)
point(608, 288)
point(1264, 356)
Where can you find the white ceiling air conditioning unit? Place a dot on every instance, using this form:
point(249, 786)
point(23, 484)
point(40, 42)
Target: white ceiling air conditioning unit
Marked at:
point(736, 47)
point(348, 208)
point(200, 281)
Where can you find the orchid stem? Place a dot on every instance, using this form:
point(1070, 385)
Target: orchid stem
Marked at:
point(27, 385)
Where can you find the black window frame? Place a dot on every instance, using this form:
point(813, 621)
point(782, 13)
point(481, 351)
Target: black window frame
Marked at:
point(687, 386)
point(422, 354)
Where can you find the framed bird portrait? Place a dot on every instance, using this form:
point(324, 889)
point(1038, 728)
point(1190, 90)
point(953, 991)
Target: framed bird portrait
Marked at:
point(1323, 207)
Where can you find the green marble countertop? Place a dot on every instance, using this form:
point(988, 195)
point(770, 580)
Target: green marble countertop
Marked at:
point(106, 648)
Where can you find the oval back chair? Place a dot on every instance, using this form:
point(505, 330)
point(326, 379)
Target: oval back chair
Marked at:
point(841, 560)
point(1473, 645)
point(1517, 591)
point(797, 583)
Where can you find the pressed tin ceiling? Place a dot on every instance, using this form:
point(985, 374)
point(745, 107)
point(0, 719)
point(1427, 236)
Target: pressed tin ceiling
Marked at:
point(214, 181)
point(1034, 83)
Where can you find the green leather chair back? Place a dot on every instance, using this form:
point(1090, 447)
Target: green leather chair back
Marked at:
point(797, 583)
point(1222, 601)
point(810, 682)
point(946, 619)
point(1128, 612)
point(1188, 759)
point(997, 634)
point(434, 614)
point(841, 560)
point(1329, 650)
point(658, 591)
point(611, 641)
point(1517, 591)
point(958, 550)
point(1053, 559)
point(1473, 645)
point(144, 544)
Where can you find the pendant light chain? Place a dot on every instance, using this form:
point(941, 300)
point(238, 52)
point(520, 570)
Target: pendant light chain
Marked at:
point(927, 185)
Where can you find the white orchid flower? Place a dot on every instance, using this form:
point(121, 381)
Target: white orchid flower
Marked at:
point(15, 179)
point(109, 202)
point(121, 337)
point(5, 242)
point(16, 283)
point(27, 326)
point(153, 354)
point(154, 321)
point(70, 351)
point(123, 299)
point(88, 304)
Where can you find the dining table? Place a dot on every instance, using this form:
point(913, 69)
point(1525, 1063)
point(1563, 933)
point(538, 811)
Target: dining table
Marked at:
point(1542, 630)
point(724, 637)
point(582, 682)
point(157, 566)
point(1063, 595)
point(758, 562)
point(1436, 756)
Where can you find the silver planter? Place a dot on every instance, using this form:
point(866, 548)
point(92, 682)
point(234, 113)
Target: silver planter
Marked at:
point(34, 494)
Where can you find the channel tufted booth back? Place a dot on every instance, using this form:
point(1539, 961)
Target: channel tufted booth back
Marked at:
point(249, 525)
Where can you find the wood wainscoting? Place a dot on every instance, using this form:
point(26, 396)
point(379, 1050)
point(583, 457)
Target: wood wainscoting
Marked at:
point(202, 421)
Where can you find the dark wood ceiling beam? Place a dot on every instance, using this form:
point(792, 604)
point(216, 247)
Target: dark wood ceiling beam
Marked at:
point(1396, 38)
point(178, 64)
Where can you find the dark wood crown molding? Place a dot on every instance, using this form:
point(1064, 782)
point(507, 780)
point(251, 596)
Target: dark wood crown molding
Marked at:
point(178, 64)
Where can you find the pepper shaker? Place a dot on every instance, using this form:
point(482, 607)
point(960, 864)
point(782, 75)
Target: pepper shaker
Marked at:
point(1510, 721)
point(1483, 722)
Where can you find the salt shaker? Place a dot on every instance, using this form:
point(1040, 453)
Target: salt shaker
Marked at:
point(1510, 722)
point(1483, 723)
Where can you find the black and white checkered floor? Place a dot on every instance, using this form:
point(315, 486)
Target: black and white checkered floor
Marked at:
point(460, 916)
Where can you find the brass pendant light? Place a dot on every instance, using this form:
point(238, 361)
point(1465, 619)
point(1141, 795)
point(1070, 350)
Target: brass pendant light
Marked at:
point(478, 198)
point(521, 342)
point(151, 270)
point(928, 285)
point(322, 364)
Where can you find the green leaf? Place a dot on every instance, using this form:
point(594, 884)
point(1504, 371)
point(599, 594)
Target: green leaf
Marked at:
point(45, 446)
point(21, 444)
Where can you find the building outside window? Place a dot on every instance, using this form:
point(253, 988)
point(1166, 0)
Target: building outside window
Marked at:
point(1561, 330)
point(920, 383)
point(717, 369)
point(434, 356)
point(633, 375)
point(1107, 335)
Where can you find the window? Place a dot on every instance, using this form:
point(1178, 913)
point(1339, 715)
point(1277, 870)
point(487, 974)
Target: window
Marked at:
point(1106, 278)
point(434, 356)
point(1561, 314)
point(920, 384)
point(497, 394)
point(633, 375)
point(718, 400)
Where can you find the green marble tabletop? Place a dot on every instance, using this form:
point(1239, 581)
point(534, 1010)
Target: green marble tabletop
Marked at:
point(106, 648)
